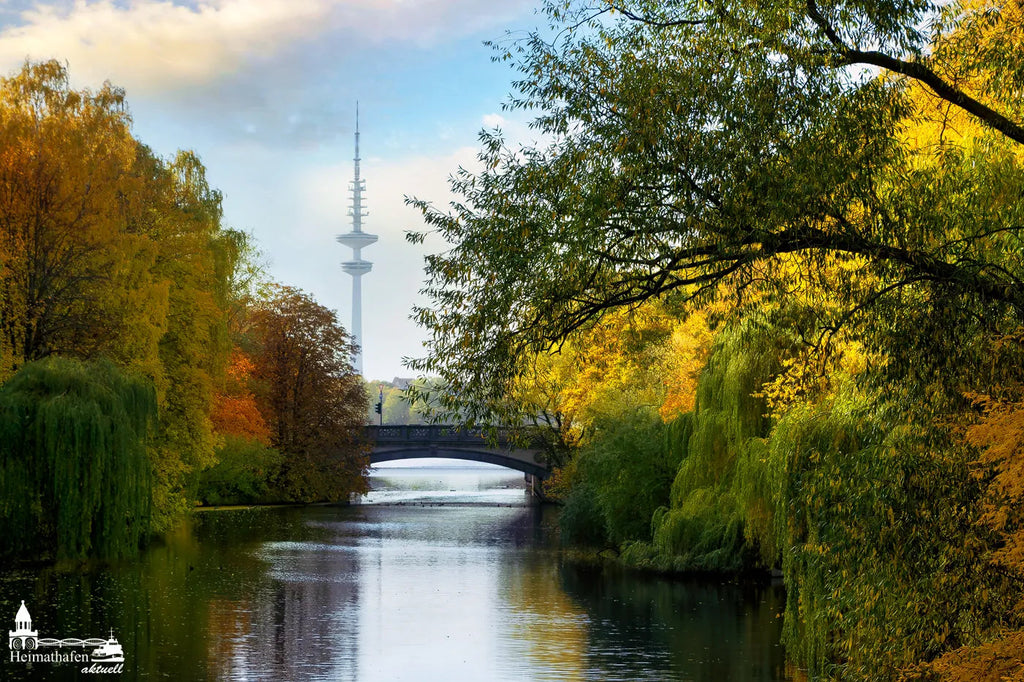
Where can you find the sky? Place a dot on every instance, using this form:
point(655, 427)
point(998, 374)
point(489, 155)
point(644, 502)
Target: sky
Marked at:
point(265, 92)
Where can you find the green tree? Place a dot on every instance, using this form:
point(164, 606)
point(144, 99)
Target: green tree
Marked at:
point(706, 145)
point(863, 228)
point(195, 262)
point(245, 472)
point(75, 479)
point(397, 408)
point(398, 404)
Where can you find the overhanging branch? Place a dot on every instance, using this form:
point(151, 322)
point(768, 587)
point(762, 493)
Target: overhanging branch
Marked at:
point(918, 72)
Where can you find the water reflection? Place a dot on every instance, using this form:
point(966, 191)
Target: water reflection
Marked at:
point(440, 584)
point(542, 624)
point(672, 629)
point(452, 484)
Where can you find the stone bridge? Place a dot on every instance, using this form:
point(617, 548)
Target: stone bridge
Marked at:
point(477, 445)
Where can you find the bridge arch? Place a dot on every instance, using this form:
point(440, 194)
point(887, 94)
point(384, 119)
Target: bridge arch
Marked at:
point(419, 442)
point(485, 456)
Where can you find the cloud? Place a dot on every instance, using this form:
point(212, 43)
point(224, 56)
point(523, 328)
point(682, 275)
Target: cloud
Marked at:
point(149, 45)
point(493, 121)
point(152, 46)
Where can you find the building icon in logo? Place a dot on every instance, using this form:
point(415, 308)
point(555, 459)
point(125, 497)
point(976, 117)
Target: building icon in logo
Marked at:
point(23, 637)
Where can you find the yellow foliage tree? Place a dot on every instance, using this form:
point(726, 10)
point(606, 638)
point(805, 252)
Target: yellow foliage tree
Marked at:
point(109, 251)
point(74, 280)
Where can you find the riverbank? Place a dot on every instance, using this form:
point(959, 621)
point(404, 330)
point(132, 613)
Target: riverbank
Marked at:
point(1000, 660)
point(613, 559)
point(275, 505)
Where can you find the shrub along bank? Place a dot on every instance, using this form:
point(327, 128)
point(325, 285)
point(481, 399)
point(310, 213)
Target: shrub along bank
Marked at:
point(879, 518)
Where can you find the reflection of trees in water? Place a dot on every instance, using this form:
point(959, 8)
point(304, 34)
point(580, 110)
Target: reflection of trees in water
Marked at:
point(545, 626)
point(308, 626)
point(206, 603)
point(228, 622)
point(531, 528)
point(241, 597)
point(582, 623)
point(304, 614)
point(705, 631)
point(272, 594)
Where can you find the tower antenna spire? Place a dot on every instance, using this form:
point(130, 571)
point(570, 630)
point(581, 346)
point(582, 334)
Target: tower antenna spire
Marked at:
point(357, 240)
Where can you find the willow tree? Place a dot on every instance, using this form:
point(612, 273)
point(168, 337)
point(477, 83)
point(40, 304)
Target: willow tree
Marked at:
point(75, 479)
point(689, 144)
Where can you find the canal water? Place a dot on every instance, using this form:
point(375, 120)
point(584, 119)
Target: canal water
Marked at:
point(438, 574)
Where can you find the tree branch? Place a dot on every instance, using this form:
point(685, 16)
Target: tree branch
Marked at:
point(651, 22)
point(918, 72)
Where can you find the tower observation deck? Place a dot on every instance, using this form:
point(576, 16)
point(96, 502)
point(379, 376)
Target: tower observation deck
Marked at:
point(357, 240)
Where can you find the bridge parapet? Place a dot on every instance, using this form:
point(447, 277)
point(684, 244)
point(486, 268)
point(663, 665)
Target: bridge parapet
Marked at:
point(429, 433)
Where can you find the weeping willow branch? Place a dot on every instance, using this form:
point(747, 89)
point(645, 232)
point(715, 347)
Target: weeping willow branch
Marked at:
point(75, 476)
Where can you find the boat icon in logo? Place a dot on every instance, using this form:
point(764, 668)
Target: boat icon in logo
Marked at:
point(108, 652)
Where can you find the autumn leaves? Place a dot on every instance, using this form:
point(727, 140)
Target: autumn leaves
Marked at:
point(111, 254)
point(852, 238)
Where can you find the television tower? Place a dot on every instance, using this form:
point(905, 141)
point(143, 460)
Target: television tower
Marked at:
point(357, 267)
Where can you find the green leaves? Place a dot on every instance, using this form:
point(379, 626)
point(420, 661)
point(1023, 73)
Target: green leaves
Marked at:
point(846, 179)
point(687, 147)
point(75, 478)
point(886, 559)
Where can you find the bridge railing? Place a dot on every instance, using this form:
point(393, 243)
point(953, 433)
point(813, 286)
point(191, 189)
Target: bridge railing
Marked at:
point(433, 433)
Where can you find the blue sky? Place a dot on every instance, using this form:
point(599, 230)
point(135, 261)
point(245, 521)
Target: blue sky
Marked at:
point(265, 90)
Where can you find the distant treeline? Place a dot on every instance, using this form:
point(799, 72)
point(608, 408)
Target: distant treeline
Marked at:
point(404, 400)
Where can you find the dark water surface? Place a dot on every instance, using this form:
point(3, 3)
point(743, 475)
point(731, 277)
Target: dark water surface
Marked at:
point(440, 575)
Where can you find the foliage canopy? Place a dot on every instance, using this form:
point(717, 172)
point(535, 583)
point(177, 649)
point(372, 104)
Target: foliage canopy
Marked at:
point(687, 145)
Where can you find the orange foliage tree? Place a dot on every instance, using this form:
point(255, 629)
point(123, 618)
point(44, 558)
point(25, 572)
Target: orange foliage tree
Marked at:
point(235, 411)
point(311, 397)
